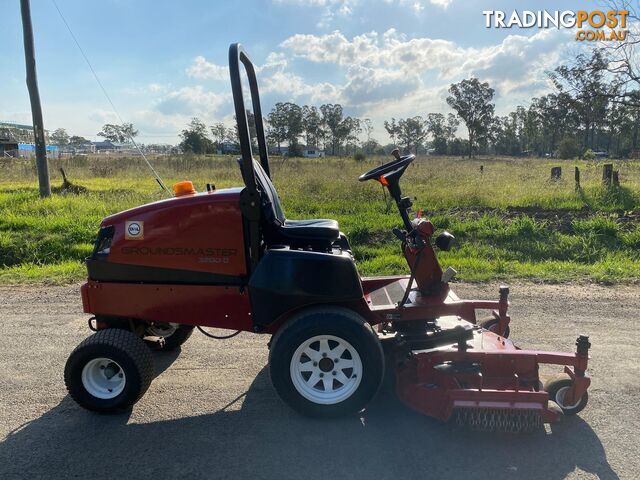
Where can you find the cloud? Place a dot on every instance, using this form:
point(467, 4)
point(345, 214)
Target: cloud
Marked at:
point(389, 66)
point(191, 101)
point(375, 75)
point(331, 8)
point(441, 3)
point(419, 5)
point(204, 70)
point(292, 87)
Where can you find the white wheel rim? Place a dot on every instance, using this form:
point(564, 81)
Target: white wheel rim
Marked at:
point(318, 377)
point(103, 378)
point(560, 397)
point(161, 330)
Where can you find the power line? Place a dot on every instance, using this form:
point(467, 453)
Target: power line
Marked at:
point(104, 91)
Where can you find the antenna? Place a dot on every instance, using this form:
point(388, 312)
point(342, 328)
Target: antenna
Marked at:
point(104, 91)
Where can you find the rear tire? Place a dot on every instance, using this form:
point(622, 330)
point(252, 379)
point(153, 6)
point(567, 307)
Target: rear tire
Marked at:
point(109, 371)
point(326, 362)
point(556, 387)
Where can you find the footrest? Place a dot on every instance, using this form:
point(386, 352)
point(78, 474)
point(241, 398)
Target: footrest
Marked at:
point(458, 367)
point(459, 334)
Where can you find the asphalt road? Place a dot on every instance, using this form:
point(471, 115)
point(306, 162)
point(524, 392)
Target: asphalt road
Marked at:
point(211, 411)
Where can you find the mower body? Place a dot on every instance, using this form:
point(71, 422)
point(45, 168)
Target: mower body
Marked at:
point(230, 259)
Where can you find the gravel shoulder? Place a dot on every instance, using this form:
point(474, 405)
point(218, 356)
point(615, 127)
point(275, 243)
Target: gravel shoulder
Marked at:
point(211, 411)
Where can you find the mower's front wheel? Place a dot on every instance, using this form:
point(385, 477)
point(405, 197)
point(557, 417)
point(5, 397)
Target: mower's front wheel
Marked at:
point(557, 387)
point(326, 362)
point(493, 326)
point(109, 371)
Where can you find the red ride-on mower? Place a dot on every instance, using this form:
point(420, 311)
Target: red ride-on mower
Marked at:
point(229, 258)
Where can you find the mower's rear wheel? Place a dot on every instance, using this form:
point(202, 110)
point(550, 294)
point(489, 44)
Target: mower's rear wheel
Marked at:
point(174, 334)
point(326, 362)
point(493, 325)
point(109, 371)
point(557, 387)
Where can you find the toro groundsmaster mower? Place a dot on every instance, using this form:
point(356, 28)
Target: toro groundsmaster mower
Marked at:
point(229, 258)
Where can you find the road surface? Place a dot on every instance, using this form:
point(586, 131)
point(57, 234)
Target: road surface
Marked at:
point(211, 411)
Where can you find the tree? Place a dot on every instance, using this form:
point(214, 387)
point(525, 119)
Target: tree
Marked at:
point(412, 132)
point(312, 125)
point(286, 124)
point(587, 90)
point(350, 130)
point(471, 100)
point(118, 133)
point(367, 126)
point(277, 131)
point(295, 127)
point(437, 128)
point(59, 137)
point(332, 118)
point(194, 138)
point(392, 129)
point(76, 141)
point(219, 133)
point(452, 126)
point(372, 146)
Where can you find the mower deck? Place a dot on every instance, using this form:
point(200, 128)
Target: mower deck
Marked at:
point(479, 378)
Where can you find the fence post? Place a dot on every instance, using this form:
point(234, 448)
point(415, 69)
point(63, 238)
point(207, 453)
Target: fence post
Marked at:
point(577, 177)
point(615, 178)
point(607, 173)
point(556, 173)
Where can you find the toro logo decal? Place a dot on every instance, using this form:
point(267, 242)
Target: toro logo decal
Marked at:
point(134, 230)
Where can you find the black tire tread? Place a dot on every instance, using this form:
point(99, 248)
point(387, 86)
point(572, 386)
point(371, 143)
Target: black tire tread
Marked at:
point(295, 322)
point(124, 341)
point(553, 384)
point(486, 324)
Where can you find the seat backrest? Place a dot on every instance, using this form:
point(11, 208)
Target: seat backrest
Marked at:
point(272, 208)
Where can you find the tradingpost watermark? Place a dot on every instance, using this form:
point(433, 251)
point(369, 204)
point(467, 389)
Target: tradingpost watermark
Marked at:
point(591, 25)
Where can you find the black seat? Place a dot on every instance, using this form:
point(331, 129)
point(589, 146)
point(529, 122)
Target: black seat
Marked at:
point(296, 233)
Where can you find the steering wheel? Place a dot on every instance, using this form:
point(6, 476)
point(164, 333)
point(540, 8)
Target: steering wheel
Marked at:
point(397, 165)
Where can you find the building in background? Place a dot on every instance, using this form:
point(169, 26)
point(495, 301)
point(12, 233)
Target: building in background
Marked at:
point(16, 140)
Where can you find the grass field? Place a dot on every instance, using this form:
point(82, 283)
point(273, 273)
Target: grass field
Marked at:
point(510, 222)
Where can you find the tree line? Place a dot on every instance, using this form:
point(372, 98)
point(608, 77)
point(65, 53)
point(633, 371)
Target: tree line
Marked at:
point(591, 108)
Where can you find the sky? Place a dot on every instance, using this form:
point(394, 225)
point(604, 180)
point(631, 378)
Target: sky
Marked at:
point(164, 62)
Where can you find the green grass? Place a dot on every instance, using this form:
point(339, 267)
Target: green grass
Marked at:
point(510, 222)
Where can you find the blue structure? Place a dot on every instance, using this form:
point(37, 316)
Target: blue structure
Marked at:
point(30, 147)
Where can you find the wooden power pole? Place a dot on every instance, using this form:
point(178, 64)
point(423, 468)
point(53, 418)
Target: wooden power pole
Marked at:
point(34, 96)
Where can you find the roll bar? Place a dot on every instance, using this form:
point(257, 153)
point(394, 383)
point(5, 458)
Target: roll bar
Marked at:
point(237, 54)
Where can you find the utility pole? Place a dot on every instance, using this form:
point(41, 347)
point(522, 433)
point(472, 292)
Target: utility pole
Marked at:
point(34, 96)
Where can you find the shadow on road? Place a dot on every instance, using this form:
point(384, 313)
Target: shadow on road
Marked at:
point(265, 439)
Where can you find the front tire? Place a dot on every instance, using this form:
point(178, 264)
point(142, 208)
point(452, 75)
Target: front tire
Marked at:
point(557, 387)
point(109, 371)
point(326, 362)
point(493, 325)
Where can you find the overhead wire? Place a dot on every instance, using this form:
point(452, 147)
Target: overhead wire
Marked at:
point(104, 91)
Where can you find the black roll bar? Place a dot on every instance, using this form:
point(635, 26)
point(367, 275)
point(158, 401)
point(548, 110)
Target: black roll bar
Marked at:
point(238, 54)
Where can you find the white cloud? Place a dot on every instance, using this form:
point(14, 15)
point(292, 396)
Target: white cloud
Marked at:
point(191, 101)
point(204, 70)
point(419, 5)
point(441, 3)
point(331, 8)
point(292, 86)
point(390, 66)
point(375, 75)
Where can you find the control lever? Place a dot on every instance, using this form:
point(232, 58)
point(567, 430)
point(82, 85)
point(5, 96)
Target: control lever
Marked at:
point(400, 234)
